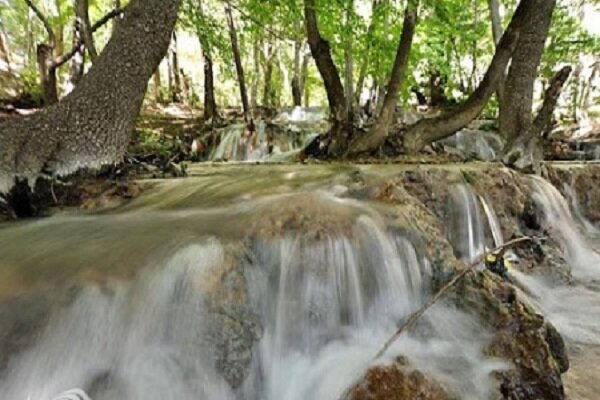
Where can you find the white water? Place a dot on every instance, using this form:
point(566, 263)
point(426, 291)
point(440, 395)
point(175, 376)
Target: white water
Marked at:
point(583, 258)
point(327, 304)
point(466, 229)
point(570, 307)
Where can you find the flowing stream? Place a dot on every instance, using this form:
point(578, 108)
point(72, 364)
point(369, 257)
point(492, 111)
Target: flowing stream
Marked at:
point(278, 286)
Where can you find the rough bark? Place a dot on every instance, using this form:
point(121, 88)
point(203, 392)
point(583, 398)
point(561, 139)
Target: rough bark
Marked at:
point(92, 125)
point(238, 65)
point(378, 133)
point(82, 13)
point(426, 131)
point(525, 153)
point(517, 108)
point(321, 52)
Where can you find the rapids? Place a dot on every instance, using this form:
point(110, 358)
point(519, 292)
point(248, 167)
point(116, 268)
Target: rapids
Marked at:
point(280, 282)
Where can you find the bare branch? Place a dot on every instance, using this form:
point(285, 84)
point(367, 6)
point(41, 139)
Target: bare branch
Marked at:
point(457, 278)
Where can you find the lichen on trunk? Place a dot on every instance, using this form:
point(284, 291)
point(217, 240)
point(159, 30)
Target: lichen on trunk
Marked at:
point(92, 125)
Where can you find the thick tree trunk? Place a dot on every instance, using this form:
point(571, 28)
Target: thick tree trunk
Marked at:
point(238, 66)
point(378, 133)
point(525, 152)
point(82, 13)
point(331, 79)
point(296, 80)
point(426, 131)
point(517, 107)
point(92, 125)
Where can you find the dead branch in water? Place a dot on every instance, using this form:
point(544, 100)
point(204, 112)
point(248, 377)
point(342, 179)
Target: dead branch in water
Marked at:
point(415, 317)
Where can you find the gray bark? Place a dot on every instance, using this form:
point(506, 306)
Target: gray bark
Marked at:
point(92, 125)
point(349, 63)
point(496, 18)
point(336, 97)
point(76, 68)
point(525, 152)
point(517, 106)
point(426, 131)
point(297, 79)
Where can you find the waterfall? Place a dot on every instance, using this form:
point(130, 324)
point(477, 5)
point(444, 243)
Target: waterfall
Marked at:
point(296, 315)
point(466, 232)
point(559, 222)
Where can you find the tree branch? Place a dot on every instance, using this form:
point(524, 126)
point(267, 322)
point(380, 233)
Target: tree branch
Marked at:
point(45, 22)
point(457, 278)
point(60, 61)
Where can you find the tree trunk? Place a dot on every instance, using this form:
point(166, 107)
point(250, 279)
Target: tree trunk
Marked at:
point(77, 66)
point(92, 125)
point(82, 13)
point(517, 108)
point(238, 65)
point(304, 86)
point(494, 7)
point(378, 133)
point(211, 113)
point(331, 79)
point(268, 56)
point(426, 131)
point(256, 79)
point(296, 80)
point(176, 83)
point(45, 58)
point(157, 86)
point(349, 62)
point(525, 153)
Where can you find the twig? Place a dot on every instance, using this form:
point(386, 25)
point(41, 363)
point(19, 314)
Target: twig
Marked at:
point(415, 317)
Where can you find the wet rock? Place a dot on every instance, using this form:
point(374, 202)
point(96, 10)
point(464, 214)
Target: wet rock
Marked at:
point(532, 215)
point(396, 382)
point(557, 347)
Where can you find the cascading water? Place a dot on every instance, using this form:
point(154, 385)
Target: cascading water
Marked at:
point(583, 258)
point(294, 315)
point(466, 230)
